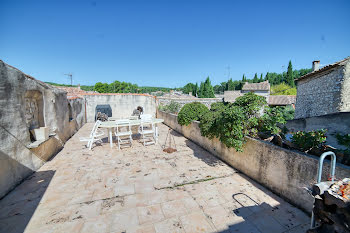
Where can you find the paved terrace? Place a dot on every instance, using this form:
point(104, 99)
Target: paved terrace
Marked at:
point(143, 189)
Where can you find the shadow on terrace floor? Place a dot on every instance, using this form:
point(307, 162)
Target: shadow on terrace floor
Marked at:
point(202, 154)
point(18, 206)
point(198, 151)
point(264, 218)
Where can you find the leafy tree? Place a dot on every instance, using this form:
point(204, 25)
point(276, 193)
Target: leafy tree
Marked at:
point(251, 104)
point(217, 89)
point(273, 116)
point(283, 89)
point(188, 88)
point(255, 79)
point(290, 78)
point(223, 86)
point(230, 85)
point(231, 122)
point(101, 87)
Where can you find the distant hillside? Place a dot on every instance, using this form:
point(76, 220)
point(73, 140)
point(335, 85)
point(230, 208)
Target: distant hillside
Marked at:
point(83, 87)
point(116, 87)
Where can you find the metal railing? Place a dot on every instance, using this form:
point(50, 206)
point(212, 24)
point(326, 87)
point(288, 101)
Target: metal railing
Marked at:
point(319, 176)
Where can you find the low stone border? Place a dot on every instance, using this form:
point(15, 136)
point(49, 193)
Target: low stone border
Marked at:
point(285, 172)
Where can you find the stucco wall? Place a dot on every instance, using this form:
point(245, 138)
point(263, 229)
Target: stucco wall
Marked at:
point(18, 159)
point(122, 105)
point(182, 101)
point(284, 172)
point(324, 93)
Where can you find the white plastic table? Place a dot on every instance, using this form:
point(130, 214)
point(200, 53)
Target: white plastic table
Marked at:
point(110, 125)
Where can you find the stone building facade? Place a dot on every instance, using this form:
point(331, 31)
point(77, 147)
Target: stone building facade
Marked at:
point(324, 91)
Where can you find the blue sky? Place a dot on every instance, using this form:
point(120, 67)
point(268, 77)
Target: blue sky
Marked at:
point(169, 43)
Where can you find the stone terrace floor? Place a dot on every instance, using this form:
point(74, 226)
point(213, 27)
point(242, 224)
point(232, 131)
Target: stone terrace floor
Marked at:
point(143, 189)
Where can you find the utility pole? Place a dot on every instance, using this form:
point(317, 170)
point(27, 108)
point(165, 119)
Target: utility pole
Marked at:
point(71, 78)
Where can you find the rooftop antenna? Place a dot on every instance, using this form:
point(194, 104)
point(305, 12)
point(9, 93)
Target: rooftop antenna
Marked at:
point(71, 78)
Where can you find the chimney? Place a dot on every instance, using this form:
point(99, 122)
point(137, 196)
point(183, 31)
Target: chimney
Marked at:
point(79, 86)
point(315, 65)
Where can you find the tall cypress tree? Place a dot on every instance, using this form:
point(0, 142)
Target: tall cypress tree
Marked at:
point(261, 78)
point(208, 89)
point(267, 76)
point(201, 90)
point(290, 78)
point(255, 79)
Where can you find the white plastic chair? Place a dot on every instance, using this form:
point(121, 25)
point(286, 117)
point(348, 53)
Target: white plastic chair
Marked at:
point(95, 135)
point(123, 137)
point(147, 131)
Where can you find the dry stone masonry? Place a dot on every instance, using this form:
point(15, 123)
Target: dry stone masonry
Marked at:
point(324, 91)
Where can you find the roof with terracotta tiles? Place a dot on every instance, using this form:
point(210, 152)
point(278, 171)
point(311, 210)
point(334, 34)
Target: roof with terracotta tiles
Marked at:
point(263, 86)
point(230, 96)
point(281, 99)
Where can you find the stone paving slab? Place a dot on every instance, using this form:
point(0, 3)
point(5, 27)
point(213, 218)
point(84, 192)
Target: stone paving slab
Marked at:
point(143, 189)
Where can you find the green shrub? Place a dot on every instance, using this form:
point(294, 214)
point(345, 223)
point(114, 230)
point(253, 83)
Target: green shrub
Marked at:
point(225, 122)
point(309, 140)
point(173, 107)
point(231, 122)
point(250, 104)
point(288, 112)
point(271, 118)
point(344, 140)
point(191, 112)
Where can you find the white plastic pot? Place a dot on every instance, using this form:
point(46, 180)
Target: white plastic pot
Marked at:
point(41, 134)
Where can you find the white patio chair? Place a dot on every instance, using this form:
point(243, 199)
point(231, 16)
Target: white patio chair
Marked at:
point(95, 135)
point(123, 137)
point(147, 131)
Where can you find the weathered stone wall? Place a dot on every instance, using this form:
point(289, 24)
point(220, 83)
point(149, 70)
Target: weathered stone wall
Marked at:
point(182, 101)
point(345, 90)
point(122, 105)
point(285, 172)
point(334, 123)
point(25, 104)
point(324, 93)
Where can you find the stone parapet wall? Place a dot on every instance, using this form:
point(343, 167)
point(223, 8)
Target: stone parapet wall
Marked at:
point(182, 101)
point(285, 172)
